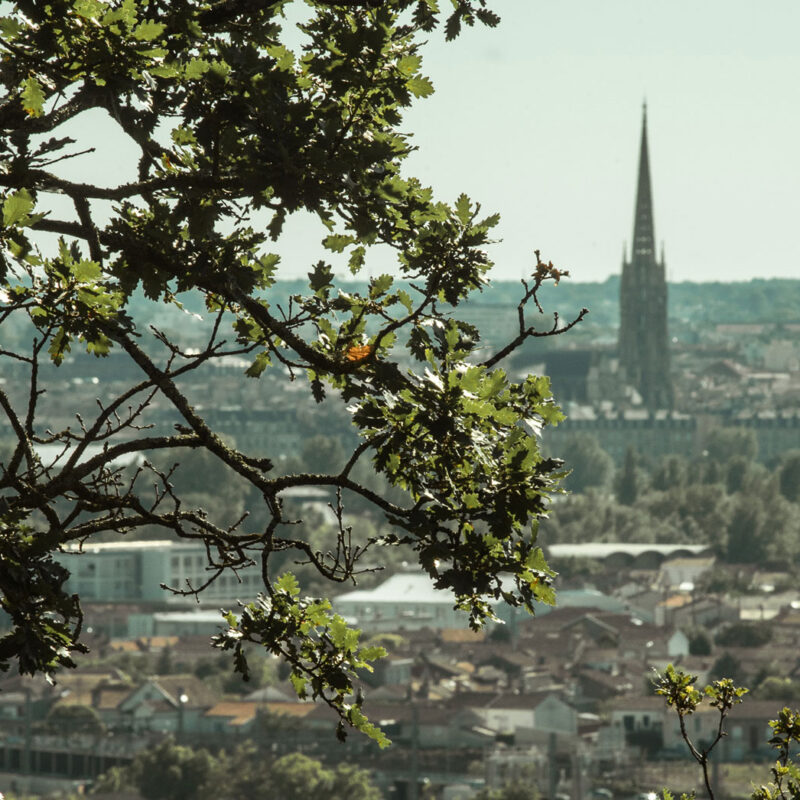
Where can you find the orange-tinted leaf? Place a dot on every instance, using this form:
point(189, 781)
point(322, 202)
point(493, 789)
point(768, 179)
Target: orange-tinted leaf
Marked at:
point(358, 352)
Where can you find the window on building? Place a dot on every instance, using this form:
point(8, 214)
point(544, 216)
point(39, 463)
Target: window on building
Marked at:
point(755, 737)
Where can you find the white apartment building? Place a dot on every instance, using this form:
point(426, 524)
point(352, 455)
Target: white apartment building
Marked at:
point(134, 571)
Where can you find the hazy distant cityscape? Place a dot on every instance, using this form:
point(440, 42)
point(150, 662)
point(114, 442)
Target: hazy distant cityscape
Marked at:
point(399, 400)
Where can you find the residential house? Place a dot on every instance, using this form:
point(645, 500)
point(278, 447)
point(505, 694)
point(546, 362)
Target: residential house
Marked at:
point(786, 626)
point(229, 718)
point(165, 703)
point(683, 611)
point(517, 713)
point(749, 730)
point(593, 686)
point(428, 726)
point(641, 720)
point(683, 573)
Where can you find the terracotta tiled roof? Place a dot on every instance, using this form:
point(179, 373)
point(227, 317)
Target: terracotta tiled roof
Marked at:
point(695, 664)
point(788, 617)
point(616, 684)
point(159, 642)
point(644, 703)
point(125, 646)
point(760, 709)
point(75, 698)
point(384, 713)
point(462, 635)
point(516, 658)
point(443, 665)
point(395, 693)
point(498, 700)
point(237, 713)
point(676, 601)
point(106, 698)
point(289, 709)
point(553, 620)
point(88, 677)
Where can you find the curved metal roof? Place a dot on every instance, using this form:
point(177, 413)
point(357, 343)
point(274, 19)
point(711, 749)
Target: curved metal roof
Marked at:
point(606, 549)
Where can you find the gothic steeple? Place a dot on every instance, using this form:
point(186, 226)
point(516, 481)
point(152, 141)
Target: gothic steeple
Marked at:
point(644, 240)
point(643, 340)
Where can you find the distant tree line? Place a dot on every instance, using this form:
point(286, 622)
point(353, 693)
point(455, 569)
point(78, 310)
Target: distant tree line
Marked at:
point(774, 300)
point(747, 512)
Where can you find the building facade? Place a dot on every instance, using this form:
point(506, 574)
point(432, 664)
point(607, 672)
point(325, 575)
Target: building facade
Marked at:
point(643, 337)
point(135, 571)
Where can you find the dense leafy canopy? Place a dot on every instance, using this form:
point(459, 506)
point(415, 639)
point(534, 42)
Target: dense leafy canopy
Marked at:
point(241, 121)
point(174, 772)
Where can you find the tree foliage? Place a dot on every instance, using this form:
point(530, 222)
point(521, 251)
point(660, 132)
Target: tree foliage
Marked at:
point(627, 484)
point(239, 122)
point(743, 634)
point(723, 444)
point(175, 772)
point(74, 719)
point(699, 644)
point(591, 466)
point(737, 507)
point(172, 773)
point(790, 477)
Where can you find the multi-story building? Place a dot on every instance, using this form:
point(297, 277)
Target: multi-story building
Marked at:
point(135, 571)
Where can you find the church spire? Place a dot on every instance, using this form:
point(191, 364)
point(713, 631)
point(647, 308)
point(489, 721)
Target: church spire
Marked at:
point(643, 332)
point(644, 240)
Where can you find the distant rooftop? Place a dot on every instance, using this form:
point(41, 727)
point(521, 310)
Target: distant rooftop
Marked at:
point(189, 616)
point(401, 588)
point(58, 454)
point(591, 413)
point(132, 544)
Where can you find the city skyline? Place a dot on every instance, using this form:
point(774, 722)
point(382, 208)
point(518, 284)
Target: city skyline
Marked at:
point(539, 120)
point(720, 83)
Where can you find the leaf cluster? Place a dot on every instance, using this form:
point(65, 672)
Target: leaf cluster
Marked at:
point(45, 618)
point(324, 653)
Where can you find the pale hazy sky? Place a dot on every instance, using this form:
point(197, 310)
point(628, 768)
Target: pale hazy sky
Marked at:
point(540, 119)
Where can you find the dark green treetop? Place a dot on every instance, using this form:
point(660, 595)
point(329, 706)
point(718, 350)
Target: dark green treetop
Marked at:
point(174, 772)
point(239, 121)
